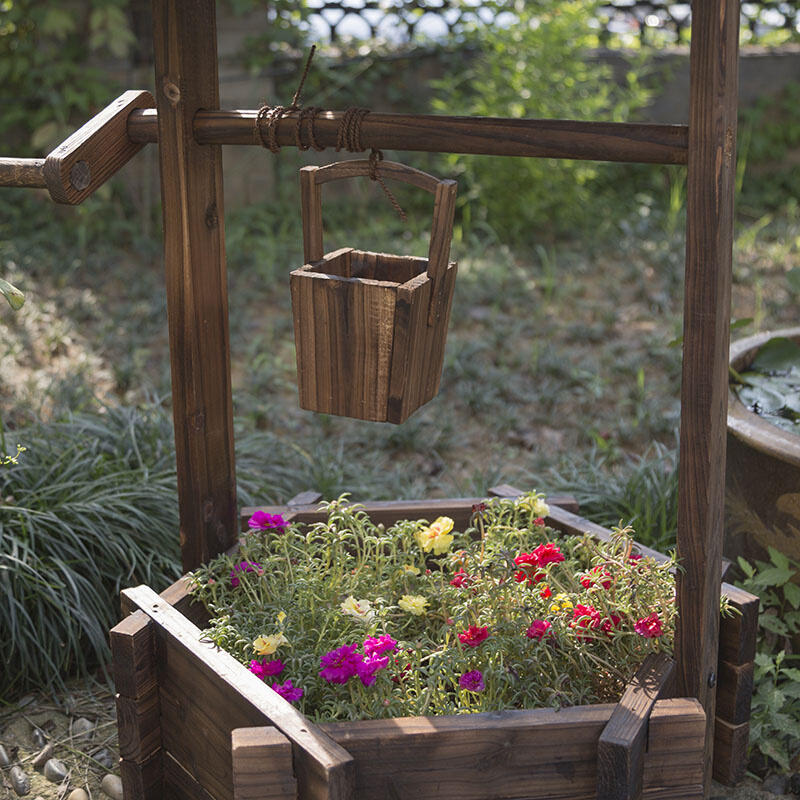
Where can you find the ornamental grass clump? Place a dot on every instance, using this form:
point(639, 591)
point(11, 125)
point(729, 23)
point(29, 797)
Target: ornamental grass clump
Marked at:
point(349, 620)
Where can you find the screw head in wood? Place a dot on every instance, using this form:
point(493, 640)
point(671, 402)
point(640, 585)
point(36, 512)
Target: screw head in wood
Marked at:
point(712, 680)
point(80, 176)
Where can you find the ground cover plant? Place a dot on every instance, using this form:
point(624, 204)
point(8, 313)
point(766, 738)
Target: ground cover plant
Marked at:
point(352, 620)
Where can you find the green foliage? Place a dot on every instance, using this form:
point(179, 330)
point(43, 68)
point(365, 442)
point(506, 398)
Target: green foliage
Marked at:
point(769, 149)
point(775, 725)
point(539, 67)
point(90, 509)
point(771, 387)
point(320, 587)
point(46, 72)
point(640, 491)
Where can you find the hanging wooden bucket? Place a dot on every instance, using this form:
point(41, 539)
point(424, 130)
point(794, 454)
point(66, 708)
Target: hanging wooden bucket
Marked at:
point(370, 328)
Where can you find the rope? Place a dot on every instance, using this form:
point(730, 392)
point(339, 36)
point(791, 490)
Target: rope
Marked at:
point(348, 137)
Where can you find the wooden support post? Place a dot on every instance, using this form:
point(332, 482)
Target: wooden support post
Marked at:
point(262, 765)
point(185, 50)
point(138, 707)
point(706, 329)
point(623, 742)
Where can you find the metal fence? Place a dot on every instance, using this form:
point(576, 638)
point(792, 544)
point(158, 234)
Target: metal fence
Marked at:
point(409, 21)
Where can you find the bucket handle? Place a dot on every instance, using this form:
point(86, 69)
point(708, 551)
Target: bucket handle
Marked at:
point(444, 191)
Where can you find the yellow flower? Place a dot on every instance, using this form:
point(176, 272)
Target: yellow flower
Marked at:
point(408, 569)
point(561, 603)
point(413, 603)
point(267, 645)
point(436, 537)
point(535, 504)
point(358, 608)
point(281, 617)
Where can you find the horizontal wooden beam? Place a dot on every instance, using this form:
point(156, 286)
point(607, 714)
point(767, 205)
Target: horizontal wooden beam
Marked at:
point(22, 173)
point(532, 138)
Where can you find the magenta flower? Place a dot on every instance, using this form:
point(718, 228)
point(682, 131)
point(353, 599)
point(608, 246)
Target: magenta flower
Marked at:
point(649, 626)
point(266, 669)
point(339, 665)
point(242, 566)
point(378, 645)
point(367, 668)
point(261, 521)
point(287, 691)
point(538, 629)
point(472, 681)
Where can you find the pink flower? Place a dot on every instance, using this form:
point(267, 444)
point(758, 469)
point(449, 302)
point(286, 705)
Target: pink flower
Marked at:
point(549, 553)
point(473, 635)
point(584, 618)
point(527, 561)
point(339, 665)
point(472, 681)
point(649, 626)
point(539, 522)
point(261, 521)
point(595, 577)
point(287, 691)
point(378, 645)
point(538, 629)
point(242, 566)
point(265, 669)
point(367, 668)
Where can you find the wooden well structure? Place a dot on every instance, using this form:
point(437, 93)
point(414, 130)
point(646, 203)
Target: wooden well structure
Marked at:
point(193, 724)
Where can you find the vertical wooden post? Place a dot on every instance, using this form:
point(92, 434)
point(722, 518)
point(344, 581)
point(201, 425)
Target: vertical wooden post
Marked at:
point(185, 45)
point(706, 329)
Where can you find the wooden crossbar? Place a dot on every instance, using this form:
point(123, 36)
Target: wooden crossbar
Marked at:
point(533, 138)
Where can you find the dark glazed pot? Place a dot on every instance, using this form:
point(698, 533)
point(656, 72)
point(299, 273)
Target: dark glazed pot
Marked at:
point(763, 472)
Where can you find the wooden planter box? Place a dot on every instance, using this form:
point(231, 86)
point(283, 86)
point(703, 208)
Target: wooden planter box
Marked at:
point(194, 723)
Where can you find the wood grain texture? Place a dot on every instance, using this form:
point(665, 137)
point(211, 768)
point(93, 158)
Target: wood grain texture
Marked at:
point(262, 765)
point(533, 138)
point(143, 781)
point(95, 152)
point(710, 188)
point(133, 653)
point(178, 783)
point(139, 726)
point(389, 512)
point(198, 733)
point(730, 751)
point(22, 173)
point(622, 744)
point(361, 168)
point(197, 296)
point(738, 632)
point(734, 692)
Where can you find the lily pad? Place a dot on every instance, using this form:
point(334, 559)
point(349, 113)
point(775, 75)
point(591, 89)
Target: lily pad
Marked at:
point(777, 355)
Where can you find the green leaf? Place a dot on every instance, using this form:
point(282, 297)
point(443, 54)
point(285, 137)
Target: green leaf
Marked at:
point(745, 567)
point(778, 558)
point(776, 355)
point(773, 576)
point(773, 624)
point(773, 749)
point(792, 592)
point(13, 295)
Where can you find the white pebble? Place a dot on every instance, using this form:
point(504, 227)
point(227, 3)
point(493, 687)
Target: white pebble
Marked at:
point(112, 786)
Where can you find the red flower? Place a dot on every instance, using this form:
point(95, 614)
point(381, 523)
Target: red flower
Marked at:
point(649, 626)
point(585, 618)
point(593, 578)
point(548, 554)
point(539, 522)
point(461, 578)
point(473, 635)
point(541, 556)
point(538, 629)
point(610, 623)
point(546, 592)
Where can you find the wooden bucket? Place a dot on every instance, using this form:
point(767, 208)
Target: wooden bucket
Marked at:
point(370, 328)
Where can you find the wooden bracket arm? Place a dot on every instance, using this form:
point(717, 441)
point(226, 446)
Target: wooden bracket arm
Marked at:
point(88, 158)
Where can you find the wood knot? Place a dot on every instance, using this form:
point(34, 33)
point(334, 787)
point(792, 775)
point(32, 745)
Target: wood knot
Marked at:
point(212, 218)
point(80, 176)
point(198, 421)
point(171, 92)
point(208, 510)
point(728, 146)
